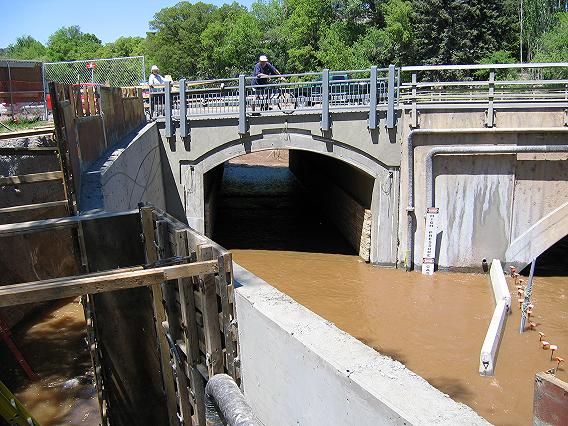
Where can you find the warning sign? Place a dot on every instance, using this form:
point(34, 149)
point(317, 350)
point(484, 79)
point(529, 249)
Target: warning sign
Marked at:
point(430, 234)
point(90, 65)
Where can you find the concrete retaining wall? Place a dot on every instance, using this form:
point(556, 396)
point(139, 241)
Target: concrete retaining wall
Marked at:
point(129, 174)
point(480, 195)
point(298, 369)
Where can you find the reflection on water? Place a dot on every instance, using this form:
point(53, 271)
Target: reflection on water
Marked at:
point(53, 342)
point(435, 325)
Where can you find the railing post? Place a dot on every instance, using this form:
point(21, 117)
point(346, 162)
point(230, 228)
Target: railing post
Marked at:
point(325, 124)
point(391, 116)
point(243, 123)
point(373, 98)
point(414, 112)
point(490, 117)
point(168, 107)
point(183, 121)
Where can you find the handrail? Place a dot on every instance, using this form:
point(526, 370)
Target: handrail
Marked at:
point(303, 92)
point(484, 66)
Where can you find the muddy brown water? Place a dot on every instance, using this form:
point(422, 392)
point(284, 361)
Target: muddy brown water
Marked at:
point(53, 343)
point(434, 325)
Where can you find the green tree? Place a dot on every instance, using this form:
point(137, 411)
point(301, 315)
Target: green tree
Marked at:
point(460, 32)
point(176, 43)
point(122, 47)
point(538, 16)
point(271, 16)
point(303, 21)
point(26, 47)
point(70, 43)
point(553, 45)
point(397, 35)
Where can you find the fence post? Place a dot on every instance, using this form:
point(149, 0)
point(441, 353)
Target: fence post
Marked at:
point(243, 123)
point(414, 112)
point(373, 98)
point(490, 118)
point(391, 116)
point(325, 124)
point(183, 121)
point(168, 107)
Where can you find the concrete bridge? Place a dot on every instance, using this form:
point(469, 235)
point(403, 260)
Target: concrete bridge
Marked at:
point(490, 154)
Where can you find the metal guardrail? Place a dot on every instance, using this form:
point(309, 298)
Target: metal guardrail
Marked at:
point(363, 90)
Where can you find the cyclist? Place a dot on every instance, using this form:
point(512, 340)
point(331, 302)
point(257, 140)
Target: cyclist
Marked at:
point(262, 72)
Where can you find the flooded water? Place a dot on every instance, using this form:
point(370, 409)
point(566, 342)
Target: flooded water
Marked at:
point(434, 325)
point(53, 343)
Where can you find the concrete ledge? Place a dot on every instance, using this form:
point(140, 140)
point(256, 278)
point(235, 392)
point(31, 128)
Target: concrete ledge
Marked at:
point(299, 369)
point(490, 346)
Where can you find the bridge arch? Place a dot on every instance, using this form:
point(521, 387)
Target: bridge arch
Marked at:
point(539, 237)
point(294, 139)
point(384, 217)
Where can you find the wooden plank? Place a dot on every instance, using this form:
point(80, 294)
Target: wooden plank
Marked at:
point(210, 315)
point(169, 289)
point(31, 178)
point(92, 101)
point(12, 229)
point(48, 131)
point(33, 206)
point(147, 218)
point(190, 337)
point(39, 291)
point(225, 280)
point(29, 150)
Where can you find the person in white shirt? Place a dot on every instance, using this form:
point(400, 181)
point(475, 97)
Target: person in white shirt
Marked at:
point(156, 93)
point(155, 77)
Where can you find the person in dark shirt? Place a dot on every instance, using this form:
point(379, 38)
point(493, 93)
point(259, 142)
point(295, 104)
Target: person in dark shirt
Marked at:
point(262, 72)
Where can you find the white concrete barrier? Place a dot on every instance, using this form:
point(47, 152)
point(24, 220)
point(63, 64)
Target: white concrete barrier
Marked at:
point(299, 369)
point(492, 340)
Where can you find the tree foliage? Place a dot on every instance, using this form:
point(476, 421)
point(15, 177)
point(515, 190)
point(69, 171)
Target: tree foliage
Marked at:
point(202, 40)
point(26, 47)
point(70, 43)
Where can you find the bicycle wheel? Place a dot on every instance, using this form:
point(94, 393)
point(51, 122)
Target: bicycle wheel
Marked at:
point(286, 103)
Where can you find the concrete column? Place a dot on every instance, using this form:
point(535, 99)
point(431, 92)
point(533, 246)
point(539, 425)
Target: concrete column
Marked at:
point(384, 210)
point(192, 182)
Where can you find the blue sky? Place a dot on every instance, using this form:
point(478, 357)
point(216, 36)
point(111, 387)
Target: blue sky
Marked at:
point(107, 19)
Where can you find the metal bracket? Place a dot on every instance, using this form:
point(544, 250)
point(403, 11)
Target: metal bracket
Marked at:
point(184, 128)
point(490, 112)
point(414, 111)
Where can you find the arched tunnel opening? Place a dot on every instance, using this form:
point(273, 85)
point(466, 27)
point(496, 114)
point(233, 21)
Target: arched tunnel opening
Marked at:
point(287, 200)
point(551, 263)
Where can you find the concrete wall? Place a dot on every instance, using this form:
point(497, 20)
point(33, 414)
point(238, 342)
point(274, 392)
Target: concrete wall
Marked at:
point(501, 196)
point(504, 196)
point(343, 192)
point(298, 369)
point(127, 175)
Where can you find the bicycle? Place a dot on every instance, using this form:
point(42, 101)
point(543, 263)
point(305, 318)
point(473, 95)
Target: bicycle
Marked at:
point(271, 95)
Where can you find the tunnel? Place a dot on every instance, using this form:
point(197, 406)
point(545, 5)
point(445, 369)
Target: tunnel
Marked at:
point(289, 200)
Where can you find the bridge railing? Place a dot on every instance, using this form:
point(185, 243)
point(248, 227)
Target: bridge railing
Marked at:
point(316, 92)
point(417, 87)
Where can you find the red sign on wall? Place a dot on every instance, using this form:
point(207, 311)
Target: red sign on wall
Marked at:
point(90, 65)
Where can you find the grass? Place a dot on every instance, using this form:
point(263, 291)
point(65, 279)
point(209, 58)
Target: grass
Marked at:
point(22, 124)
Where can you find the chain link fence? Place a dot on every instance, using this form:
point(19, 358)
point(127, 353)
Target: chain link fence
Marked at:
point(114, 72)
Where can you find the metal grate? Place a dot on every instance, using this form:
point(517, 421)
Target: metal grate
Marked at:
point(115, 72)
